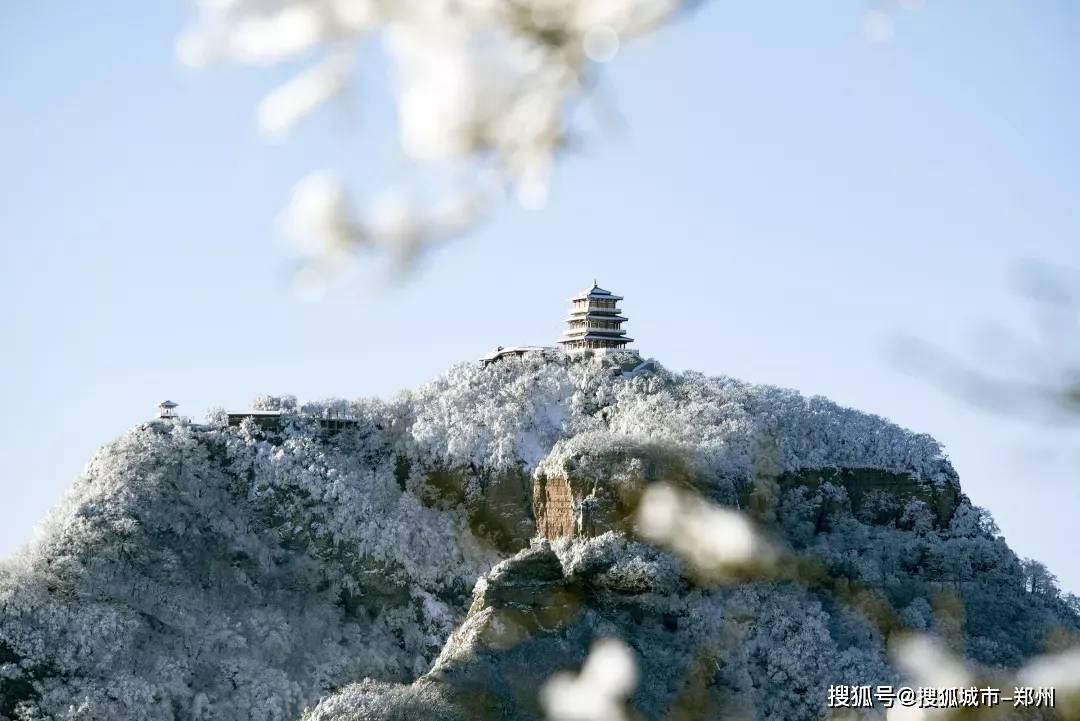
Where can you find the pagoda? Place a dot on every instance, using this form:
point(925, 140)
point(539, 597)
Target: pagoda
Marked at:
point(595, 322)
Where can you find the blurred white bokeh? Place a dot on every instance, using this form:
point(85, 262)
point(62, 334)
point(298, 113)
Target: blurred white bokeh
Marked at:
point(713, 539)
point(599, 691)
point(483, 86)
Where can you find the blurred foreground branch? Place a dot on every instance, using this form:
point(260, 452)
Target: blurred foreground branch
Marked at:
point(485, 92)
point(1036, 373)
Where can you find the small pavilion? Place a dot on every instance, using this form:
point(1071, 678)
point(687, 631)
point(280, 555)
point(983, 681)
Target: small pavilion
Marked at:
point(167, 409)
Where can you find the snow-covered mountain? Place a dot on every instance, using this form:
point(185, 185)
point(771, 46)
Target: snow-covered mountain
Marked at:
point(444, 554)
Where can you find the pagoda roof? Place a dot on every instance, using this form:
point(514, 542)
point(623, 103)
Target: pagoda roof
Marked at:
point(596, 292)
point(167, 404)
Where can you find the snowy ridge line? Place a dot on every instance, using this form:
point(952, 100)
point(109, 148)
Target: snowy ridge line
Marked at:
point(512, 414)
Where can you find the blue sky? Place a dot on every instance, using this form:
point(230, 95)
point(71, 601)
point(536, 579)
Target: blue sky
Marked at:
point(784, 202)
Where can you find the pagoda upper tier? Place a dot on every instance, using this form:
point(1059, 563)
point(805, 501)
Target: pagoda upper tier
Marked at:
point(595, 322)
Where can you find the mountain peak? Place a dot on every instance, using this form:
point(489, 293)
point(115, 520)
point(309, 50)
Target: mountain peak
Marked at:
point(490, 521)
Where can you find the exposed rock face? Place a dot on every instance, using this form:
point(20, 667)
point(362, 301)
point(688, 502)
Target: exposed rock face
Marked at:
point(557, 511)
point(523, 602)
point(879, 496)
point(592, 484)
point(498, 504)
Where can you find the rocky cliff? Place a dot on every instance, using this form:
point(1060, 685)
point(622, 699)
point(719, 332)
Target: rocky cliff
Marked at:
point(456, 547)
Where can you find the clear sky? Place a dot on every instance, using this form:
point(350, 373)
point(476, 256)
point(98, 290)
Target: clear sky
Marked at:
point(785, 201)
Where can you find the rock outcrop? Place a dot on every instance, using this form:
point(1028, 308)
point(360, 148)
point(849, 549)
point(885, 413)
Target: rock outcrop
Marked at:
point(591, 484)
point(532, 616)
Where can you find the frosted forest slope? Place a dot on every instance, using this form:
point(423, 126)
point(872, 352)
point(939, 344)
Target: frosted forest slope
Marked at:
point(215, 572)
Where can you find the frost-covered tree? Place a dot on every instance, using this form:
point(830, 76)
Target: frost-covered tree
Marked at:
point(249, 571)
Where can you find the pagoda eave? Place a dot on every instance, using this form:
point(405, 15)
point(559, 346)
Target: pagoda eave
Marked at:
point(596, 315)
point(594, 331)
point(596, 336)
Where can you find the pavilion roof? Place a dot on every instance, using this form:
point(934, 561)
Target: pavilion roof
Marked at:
point(513, 350)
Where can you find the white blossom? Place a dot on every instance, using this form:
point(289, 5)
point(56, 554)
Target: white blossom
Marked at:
point(284, 107)
point(482, 84)
point(599, 691)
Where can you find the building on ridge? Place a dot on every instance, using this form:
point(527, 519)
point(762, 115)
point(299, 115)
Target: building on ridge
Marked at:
point(517, 350)
point(595, 323)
